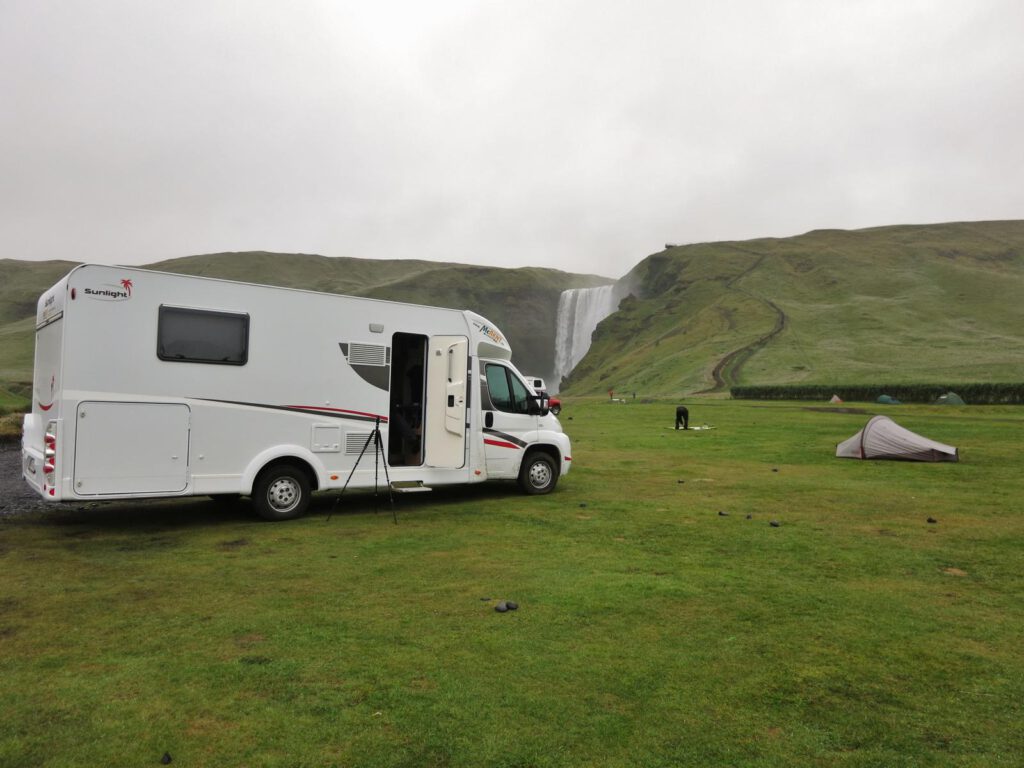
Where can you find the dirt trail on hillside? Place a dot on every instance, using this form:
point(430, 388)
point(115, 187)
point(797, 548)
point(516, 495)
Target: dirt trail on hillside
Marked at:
point(727, 370)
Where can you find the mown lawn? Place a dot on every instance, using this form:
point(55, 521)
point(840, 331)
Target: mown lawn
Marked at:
point(651, 630)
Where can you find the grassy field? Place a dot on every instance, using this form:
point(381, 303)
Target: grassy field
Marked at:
point(12, 406)
point(652, 630)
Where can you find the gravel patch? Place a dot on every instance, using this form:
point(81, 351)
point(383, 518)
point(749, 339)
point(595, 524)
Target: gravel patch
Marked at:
point(16, 498)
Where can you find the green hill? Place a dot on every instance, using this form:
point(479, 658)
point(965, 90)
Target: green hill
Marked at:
point(21, 282)
point(522, 302)
point(300, 270)
point(905, 304)
point(933, 303)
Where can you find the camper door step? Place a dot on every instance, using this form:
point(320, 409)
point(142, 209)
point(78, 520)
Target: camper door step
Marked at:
point(409, 486)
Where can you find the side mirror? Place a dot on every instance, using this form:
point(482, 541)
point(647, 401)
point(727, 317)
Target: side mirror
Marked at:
point(538, 405)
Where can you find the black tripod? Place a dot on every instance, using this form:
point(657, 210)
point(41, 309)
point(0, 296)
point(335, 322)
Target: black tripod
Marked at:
point(378, 448)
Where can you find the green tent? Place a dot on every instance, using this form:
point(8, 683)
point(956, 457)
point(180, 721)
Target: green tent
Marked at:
point(950, 398)
point(887, 400)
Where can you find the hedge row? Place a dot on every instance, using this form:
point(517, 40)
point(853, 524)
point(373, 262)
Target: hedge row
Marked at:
point(972, 394)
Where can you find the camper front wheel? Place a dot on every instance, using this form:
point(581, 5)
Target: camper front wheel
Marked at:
point(538, 474)
point(281, 493)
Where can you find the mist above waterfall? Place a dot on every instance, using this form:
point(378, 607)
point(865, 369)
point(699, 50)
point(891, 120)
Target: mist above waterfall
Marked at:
point(579, 312)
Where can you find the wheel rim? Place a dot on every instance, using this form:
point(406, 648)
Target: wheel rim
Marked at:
point(540, 474)
point(284, 494)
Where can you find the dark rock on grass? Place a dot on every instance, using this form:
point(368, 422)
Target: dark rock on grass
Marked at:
point(932, 520)
point(501, 607)
point(680, 481)
point(750, 517)
point(583, 505)
point(775, 469)
point(774, 523)
point(166, 759)
point(722, 513)
point(512, 606)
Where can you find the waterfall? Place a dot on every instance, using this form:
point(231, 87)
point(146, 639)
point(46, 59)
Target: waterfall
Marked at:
point(579, 312)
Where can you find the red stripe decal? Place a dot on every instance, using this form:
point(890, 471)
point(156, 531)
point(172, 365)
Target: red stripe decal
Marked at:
point(384, 419)
point(500, 443)
point(46, 407)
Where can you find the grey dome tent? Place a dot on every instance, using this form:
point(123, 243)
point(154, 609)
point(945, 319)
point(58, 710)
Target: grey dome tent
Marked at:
point(883, 438)
point(950, 398)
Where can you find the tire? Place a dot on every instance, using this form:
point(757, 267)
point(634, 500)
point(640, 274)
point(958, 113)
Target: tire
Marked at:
point(281, 493)
point(538, 474)
point(556, 409)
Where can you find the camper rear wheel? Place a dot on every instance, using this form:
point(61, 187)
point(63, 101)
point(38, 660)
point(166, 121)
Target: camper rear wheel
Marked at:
point(538, 474)
point(281, 492)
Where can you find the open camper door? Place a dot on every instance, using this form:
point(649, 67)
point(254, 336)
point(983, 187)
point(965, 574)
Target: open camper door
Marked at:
point(447, 360)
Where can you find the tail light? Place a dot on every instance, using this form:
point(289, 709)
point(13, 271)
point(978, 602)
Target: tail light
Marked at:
point(50, 454)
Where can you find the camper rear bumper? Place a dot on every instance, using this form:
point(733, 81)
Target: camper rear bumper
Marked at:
point(39, 439)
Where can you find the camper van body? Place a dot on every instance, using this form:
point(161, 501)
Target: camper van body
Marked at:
point(149, 384)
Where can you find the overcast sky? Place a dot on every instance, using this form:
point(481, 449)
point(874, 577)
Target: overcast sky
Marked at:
point(579, 135)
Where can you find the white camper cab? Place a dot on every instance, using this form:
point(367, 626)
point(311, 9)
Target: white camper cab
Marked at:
point(149, 384)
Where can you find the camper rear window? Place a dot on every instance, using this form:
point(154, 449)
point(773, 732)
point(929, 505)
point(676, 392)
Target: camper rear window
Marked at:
point(202, 336)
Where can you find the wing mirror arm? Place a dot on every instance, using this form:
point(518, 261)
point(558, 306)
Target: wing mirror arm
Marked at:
point(539, 405)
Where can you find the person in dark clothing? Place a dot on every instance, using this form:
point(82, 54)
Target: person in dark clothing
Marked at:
point(683, 416)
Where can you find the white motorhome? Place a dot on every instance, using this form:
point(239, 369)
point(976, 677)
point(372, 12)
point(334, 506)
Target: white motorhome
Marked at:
point(149, 384)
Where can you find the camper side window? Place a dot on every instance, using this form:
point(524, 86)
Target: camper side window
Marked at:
point(202, 336)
